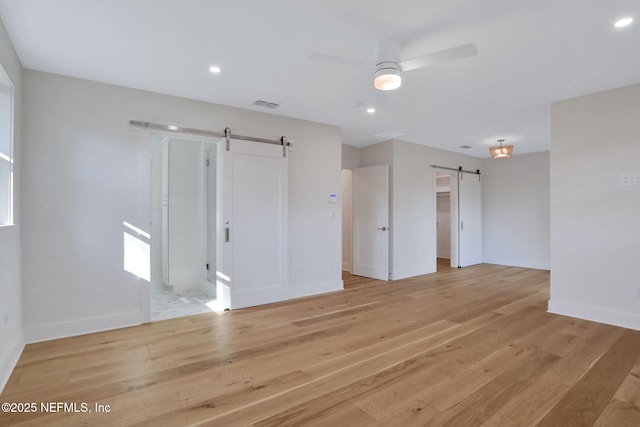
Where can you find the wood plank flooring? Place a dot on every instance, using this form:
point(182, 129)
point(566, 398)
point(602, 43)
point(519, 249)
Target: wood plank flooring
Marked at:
point(461, 347)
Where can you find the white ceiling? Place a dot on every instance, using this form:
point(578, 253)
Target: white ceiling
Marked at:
point(530, 53)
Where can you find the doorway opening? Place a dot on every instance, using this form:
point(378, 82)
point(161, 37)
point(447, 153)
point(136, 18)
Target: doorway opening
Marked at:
point(347, 220)
point(348, 278)
point(443, 221)
point(446, 194)
point(184, 222)
point(465, 216)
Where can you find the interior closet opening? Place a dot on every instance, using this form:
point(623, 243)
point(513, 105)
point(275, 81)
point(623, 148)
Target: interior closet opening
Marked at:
point(184, 226)
point(443, 220)
point(465, 215)
point(446, 203)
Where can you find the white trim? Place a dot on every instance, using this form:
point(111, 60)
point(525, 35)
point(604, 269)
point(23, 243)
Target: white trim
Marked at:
point(412, 272)
point(257, 297)
point(10, 361)
point(315, 289)
point(89, 325)
point(596, 314)
point(535, 264)
point(11, 157)
point(346, 266)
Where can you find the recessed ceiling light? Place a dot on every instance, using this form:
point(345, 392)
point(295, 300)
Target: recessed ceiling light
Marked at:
point(623, 22)
point(172, 127)
point(215, 69)
point(371, 110)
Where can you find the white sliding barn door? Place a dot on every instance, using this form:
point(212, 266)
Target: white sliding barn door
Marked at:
point(254, 226)
point(371, 222)
point(469, 219)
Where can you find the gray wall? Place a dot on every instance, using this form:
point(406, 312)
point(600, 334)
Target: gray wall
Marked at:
point(351, 157)
point(413, 201)
point(414, 249)
point(89, 170)
point(515, 202)
point(515, 210)
point(595, 273)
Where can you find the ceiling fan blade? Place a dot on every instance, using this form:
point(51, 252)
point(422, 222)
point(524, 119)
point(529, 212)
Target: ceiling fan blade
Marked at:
point(338, 60)
point(447, 55)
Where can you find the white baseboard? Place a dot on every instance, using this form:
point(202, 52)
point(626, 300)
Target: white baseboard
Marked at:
point(412, 272)
point(52, 331)
point(595, 314)
point(315, 289)
point(535, 264)
point(9, 361)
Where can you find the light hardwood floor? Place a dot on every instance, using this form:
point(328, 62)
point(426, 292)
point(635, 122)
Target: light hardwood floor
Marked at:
point(462, 347)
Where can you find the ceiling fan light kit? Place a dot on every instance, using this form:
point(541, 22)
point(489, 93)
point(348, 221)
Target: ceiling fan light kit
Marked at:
point(389, 68)
point(501, 151)
point(387, 76)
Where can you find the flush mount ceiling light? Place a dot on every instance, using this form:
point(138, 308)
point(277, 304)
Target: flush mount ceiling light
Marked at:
point(623, 22)
point(387, 76)
point(215, 69)
point(371, 110)
point(501, 151)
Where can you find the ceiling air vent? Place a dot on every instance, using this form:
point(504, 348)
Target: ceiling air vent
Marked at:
point(389, 134)
point(265, 104)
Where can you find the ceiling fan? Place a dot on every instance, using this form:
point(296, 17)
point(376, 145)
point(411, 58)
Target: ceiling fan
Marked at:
point(388, 68)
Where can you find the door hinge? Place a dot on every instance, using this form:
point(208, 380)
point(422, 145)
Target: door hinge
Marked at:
point(207, 266)
point(207, 162)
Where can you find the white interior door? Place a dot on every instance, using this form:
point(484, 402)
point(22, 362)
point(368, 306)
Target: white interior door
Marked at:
point(371, 222)
point(469, 219)
point(255, 245)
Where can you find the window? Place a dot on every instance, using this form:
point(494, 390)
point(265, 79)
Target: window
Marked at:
point(6, 149)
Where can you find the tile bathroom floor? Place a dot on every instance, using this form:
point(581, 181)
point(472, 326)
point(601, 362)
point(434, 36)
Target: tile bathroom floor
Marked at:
point(166, 304)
